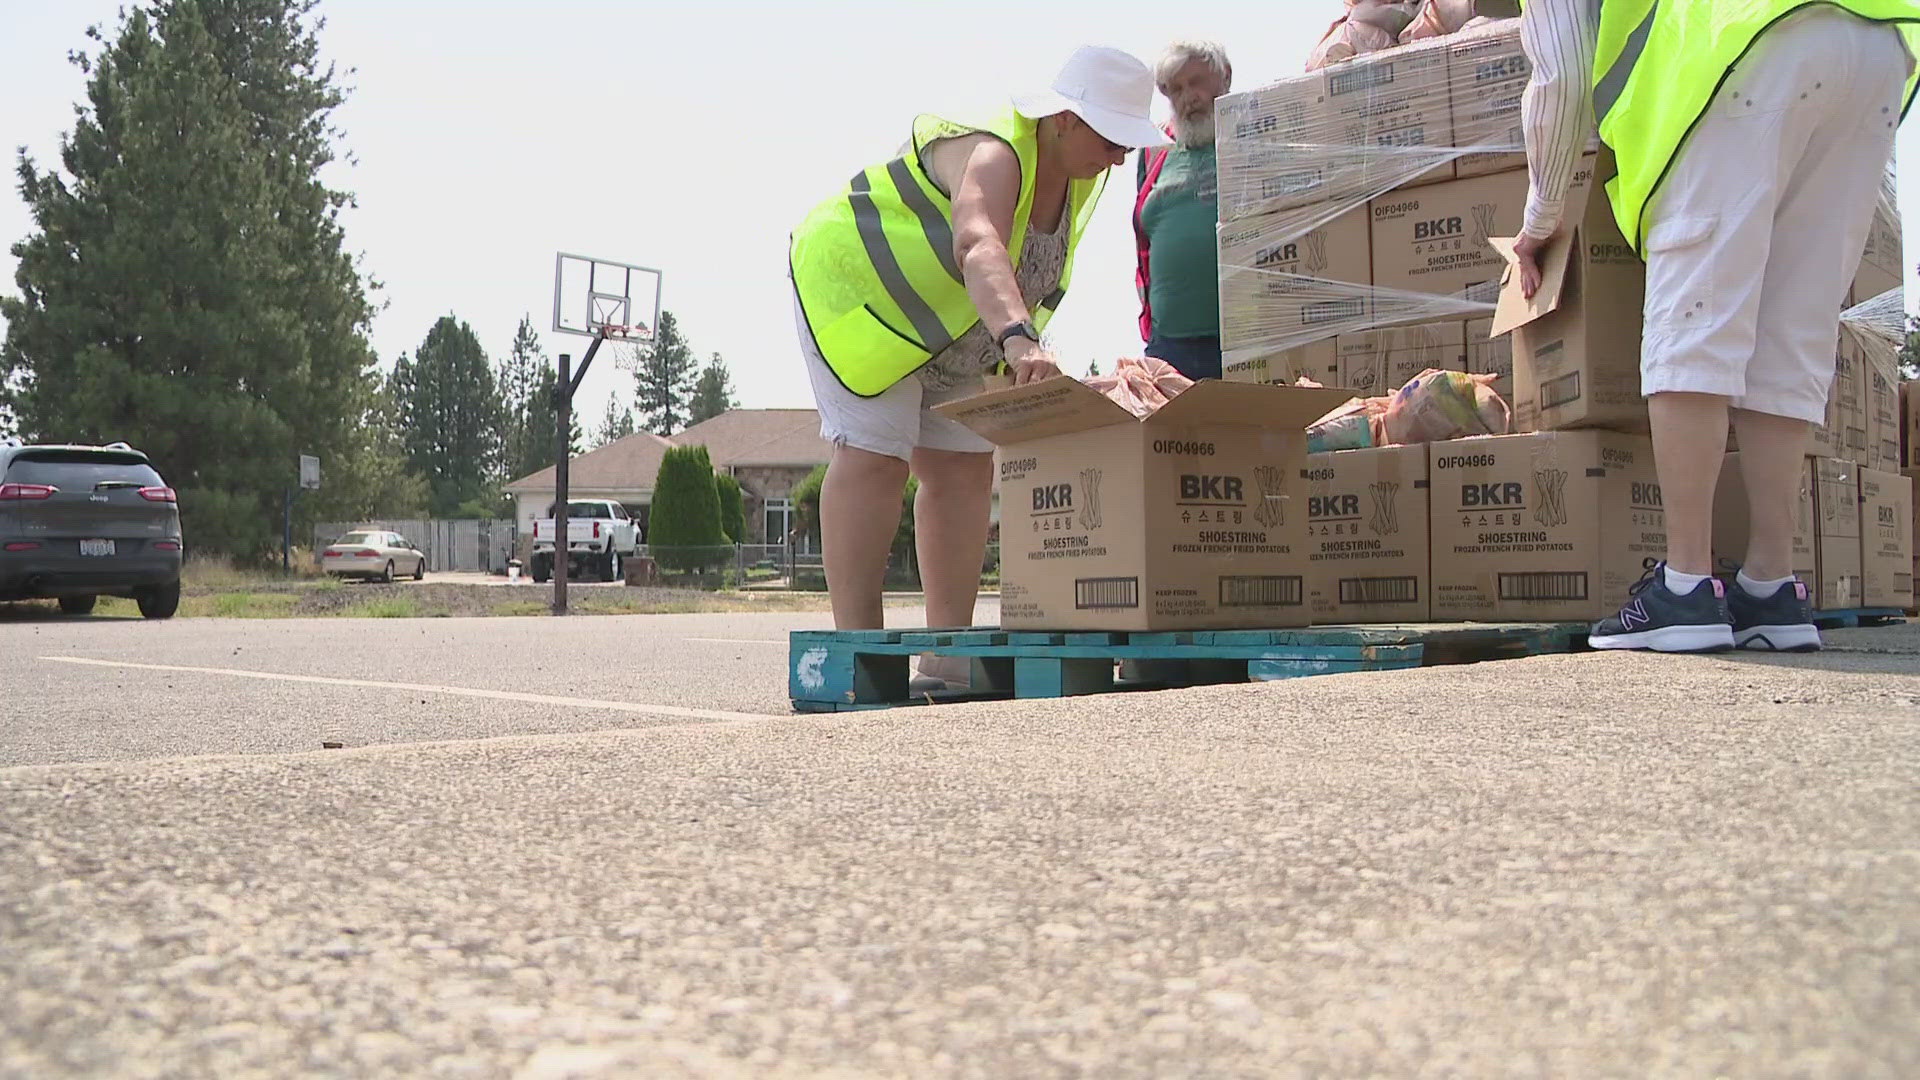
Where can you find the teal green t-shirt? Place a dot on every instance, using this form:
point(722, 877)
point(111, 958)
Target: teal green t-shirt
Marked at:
point(1182, 261)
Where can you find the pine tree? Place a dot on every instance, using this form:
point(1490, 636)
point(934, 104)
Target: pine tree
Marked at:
point(733, 507)
point(542, 423)
point(1093, 368)
point(185, 284)
point(665, 380)
point(684, 531)
point(450, 416)
point(518, 379)
point(616, 424)
point(371, 480)
point(712, 392)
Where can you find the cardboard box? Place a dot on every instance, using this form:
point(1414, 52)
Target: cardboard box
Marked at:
point(1364, 120)
point(1547, 526)
point(1881, 387)
point(1367, 535)
point(1732, 525)
point(1257, 134)
point(1375, 362)
point(1191, 519)
point(1576, 344)
point(1910, 424)
point(1397, 98)
point(1283, 286)
point(1821, 440)
point(1287, 367)
point(1886, 539)
point(1913, 476)
point(1882, 262)
point(1489, 355)
point(1836, 539)
point(1487, 72)
point(1847, 404)
point(1433, 241)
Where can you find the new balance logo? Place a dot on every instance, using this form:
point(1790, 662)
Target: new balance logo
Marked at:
point(1633, 616)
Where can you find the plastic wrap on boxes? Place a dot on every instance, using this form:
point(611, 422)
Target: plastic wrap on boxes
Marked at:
point(1305, 166)
point(1879, 324)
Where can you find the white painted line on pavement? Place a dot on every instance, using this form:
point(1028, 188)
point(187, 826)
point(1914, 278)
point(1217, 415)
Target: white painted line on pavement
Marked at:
point(422, 688)
point(735, 641)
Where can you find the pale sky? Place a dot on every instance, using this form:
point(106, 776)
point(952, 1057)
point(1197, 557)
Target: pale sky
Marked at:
point(691, 137)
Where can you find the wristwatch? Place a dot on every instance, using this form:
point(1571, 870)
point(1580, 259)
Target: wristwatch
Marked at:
point(1020, 329)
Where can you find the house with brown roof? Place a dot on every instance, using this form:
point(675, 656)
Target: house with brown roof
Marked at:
point(769, 451)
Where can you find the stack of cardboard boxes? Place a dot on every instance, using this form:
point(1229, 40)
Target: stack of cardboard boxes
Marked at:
point(1357, 205)
point(1357, 208)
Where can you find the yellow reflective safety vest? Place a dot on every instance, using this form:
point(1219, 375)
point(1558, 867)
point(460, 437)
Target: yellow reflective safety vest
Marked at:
point(1659, 64)
point(874, 266)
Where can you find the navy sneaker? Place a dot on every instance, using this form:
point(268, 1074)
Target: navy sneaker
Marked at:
point(1782, 622)
point(1657, 618)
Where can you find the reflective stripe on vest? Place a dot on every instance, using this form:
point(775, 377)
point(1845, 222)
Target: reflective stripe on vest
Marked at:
point(1659, 64)
point(875, 270)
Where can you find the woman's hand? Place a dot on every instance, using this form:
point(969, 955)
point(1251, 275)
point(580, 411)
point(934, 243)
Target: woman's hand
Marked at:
point(1030, 362)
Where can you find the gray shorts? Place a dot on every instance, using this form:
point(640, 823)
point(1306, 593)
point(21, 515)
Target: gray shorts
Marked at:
point(895, 423)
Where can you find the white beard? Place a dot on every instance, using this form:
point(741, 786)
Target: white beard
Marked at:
point(1194, 133)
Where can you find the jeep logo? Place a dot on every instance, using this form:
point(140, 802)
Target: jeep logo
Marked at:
point(1325, 506)
point(1052, 497)
point(1491, 495)
point(1437, 228)
point(1211, 488)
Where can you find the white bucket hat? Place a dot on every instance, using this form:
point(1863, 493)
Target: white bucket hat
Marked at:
point(1110, 90)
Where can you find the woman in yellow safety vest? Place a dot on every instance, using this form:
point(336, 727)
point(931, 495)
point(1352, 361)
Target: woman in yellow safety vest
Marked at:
point(919, 277)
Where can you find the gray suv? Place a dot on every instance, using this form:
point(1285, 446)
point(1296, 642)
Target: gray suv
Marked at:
point(81, 522)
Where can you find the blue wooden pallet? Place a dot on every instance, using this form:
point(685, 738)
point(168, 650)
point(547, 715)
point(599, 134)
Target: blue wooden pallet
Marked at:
point(1850, 618)
point(835, 671)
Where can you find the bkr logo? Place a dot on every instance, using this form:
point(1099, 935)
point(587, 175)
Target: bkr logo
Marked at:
point(1090, 493)
point(1386, 520)
point(1550, 508)
point(1271, 510)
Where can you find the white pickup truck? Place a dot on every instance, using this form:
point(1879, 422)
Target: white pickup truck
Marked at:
point(600, 536)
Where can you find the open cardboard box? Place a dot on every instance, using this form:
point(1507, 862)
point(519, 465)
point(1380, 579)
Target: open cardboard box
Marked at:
point(1576, 342)
point(1193, 518)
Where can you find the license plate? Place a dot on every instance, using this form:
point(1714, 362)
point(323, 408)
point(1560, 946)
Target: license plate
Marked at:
point(96, 547)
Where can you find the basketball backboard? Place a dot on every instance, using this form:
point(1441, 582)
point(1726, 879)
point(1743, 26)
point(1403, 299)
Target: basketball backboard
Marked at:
point(595, 296)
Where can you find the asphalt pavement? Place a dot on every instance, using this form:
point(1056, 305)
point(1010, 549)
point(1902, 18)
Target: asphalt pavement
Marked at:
point(600, 847)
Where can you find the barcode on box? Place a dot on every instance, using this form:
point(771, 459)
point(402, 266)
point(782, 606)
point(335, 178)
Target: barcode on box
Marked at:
point(1274, 590)
point(1094, 594)
point(1380, 590)
point(1560, 391)
point(1544, 585)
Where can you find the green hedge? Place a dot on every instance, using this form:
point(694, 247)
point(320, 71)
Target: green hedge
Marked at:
point(685, 533)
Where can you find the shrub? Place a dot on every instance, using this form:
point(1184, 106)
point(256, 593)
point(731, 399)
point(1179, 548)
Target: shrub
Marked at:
point(684, 531)
point(733, 507)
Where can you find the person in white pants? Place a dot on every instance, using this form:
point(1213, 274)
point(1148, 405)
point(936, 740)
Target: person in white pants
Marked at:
point(1751, 243)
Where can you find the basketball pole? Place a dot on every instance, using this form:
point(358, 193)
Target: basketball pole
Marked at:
point(563, 412)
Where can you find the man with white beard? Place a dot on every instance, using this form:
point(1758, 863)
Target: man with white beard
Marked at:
point(1175, 215)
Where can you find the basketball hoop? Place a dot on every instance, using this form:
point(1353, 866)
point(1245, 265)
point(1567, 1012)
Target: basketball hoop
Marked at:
point(626, 346)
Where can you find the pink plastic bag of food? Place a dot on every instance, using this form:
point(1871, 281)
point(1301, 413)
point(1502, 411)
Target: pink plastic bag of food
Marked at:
point(1438, 18)
point(1141, 384)
point(1368, 26)
point(1353, 426)
point(1435, 406)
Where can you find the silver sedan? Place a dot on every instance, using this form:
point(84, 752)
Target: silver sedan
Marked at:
point(374, 555)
